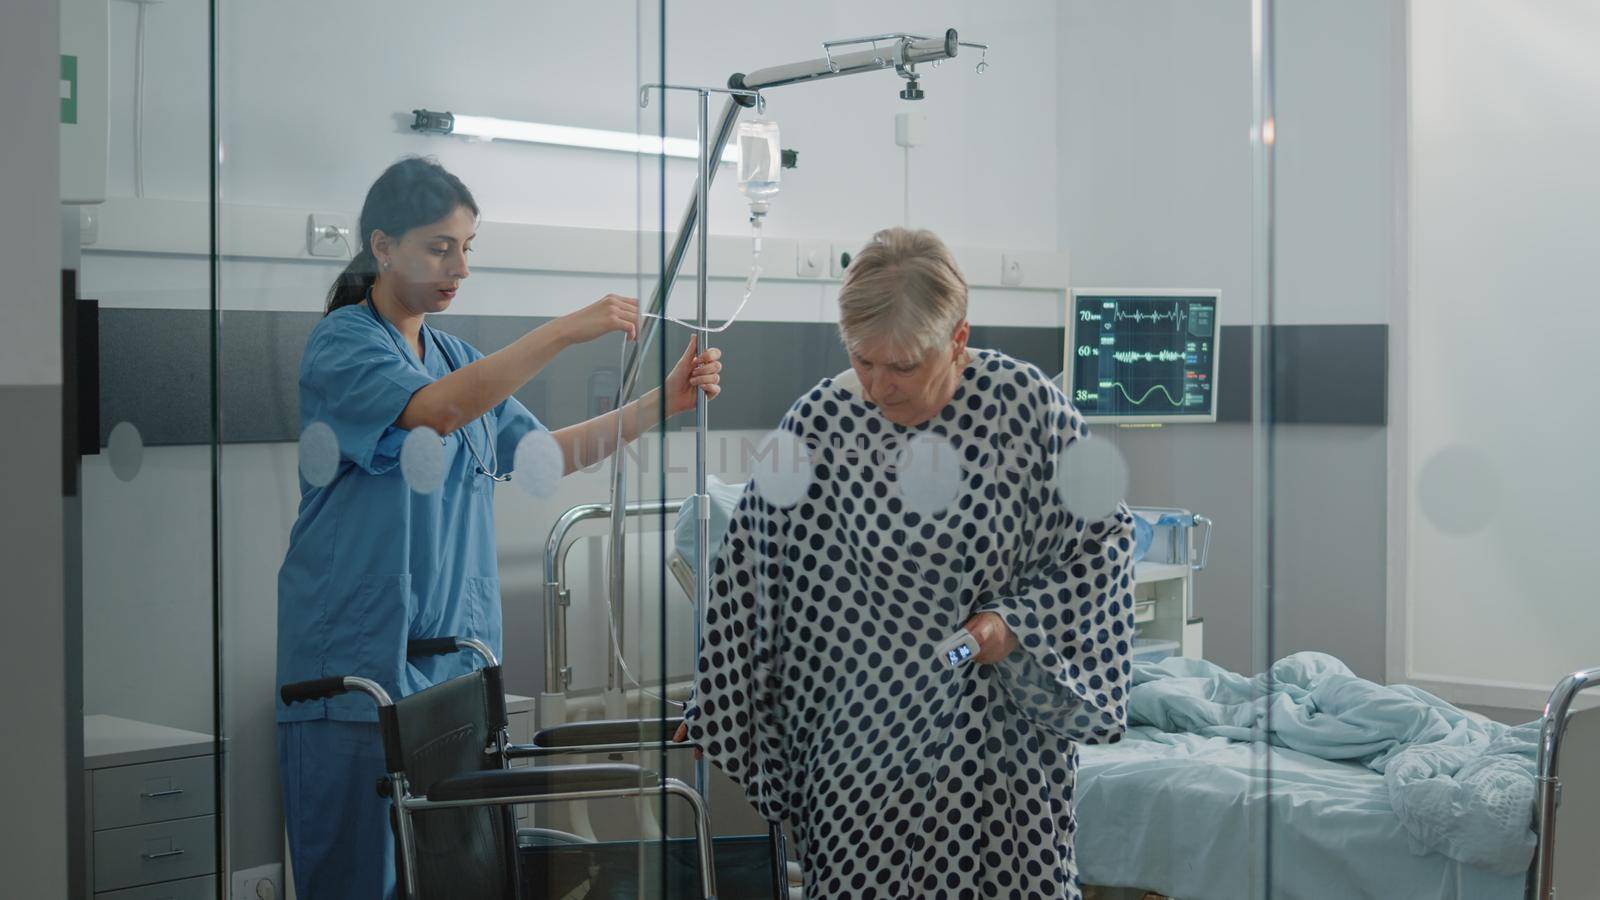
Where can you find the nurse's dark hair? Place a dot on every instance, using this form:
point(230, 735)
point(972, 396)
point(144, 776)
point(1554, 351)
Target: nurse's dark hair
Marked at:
point(414, 191)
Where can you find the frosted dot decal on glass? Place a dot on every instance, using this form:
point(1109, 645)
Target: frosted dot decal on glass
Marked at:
point(125, 451)
point(781, 467)
point(928, 471)
point(1458, 490)
point(319, 454)
point(1092, 477)
point(422, 460)
point(539, 464)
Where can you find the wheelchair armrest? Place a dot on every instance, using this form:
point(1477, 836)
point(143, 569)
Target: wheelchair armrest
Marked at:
point(535, 781)
point(629, 732)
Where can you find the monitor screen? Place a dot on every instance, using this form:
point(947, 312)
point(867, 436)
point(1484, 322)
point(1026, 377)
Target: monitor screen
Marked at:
point(1138, 356)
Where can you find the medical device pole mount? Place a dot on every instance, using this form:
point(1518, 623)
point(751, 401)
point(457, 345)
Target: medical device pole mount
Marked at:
point(901, 52)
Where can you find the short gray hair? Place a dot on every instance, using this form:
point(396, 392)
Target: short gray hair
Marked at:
point(904, 286)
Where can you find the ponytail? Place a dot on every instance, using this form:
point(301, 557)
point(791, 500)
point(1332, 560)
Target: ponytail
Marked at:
point(413, 192)
point(354, 282)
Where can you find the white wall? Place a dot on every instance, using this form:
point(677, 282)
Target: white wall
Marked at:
point(1155, 156)
point(1156, 179)
point(315, 101)
point(34, 745)
point(1505, 212)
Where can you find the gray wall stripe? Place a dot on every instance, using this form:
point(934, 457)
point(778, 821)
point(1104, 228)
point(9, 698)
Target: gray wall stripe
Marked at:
point(154, 362)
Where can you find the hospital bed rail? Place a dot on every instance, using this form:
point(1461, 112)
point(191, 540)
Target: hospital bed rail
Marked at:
point(557, 598)
point(608, 737)
point(1547, 789)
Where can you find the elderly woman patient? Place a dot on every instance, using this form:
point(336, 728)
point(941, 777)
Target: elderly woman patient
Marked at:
point(817, 687)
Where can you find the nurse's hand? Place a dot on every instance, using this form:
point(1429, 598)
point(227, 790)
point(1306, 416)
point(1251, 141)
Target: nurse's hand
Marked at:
point(693, 373)
point(610, 313)
point(995, 640)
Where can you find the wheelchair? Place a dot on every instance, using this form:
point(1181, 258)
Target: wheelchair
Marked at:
point(451, 791)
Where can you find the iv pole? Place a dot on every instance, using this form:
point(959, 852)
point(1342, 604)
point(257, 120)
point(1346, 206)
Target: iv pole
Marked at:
point(901, 52)
point(702, 500)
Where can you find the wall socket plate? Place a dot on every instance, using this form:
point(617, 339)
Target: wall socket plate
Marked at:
point(810, 258)
point(88, 225)
point(1010, 270)
point(328, 234)
point(261, 883)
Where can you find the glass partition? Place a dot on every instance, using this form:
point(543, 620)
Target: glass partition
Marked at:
point(1094, 178)
point(969, 577)
point(1429, 188)
point(135, 135)
point(1103, 494)
point(397, 457)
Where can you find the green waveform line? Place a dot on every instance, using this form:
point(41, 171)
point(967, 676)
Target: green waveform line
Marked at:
point(1140, 402)
point(1177, 316)
point(1133, 356)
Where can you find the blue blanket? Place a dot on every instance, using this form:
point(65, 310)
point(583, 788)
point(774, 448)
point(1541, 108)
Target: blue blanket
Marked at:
point(1461, 785)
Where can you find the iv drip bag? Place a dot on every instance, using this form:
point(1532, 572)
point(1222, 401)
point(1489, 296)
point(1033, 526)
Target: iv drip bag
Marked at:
point(760, 161)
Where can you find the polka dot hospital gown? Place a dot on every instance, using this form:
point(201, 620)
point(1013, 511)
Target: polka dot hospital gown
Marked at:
point(817, 689)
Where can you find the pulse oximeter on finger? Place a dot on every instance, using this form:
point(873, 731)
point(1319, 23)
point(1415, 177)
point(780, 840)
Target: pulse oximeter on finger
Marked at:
point(957, 650)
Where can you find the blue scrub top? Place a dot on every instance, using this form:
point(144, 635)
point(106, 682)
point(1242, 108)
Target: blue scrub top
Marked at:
point(372, 563)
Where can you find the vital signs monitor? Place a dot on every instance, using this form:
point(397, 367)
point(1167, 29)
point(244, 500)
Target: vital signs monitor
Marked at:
point(1143, 356)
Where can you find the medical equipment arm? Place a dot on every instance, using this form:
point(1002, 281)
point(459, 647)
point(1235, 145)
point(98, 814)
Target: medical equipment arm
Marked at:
point(895, 52)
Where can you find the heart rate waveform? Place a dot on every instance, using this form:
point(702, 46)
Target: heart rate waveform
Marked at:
point(1175, 316)
point(1144, 356)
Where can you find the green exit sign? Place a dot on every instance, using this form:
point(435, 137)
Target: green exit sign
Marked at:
point(69, 90)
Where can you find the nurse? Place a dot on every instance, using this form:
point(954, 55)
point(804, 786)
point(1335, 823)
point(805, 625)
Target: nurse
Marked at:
point(376, 560)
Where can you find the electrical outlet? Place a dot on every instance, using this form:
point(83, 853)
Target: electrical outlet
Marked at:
point(1010, 270)
point(328, 234)
point(838, 259)
point(261, 883)
point(810, 257)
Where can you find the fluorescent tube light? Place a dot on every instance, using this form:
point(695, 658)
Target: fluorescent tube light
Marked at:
point(488, 128)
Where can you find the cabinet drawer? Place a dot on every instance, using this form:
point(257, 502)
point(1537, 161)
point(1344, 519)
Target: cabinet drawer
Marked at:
point(187, 889)
point(145, 854)
point(154, 792)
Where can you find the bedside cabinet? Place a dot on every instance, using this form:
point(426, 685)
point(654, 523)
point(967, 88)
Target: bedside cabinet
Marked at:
point(150, 793)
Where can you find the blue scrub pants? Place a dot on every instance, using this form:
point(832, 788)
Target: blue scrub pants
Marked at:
point(339, 836)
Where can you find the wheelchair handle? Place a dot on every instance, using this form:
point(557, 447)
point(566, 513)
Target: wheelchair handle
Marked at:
point(440, 646)
point(388, 720)
point(323, 688)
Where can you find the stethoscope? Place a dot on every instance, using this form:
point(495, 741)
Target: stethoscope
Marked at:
point(492, 471)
